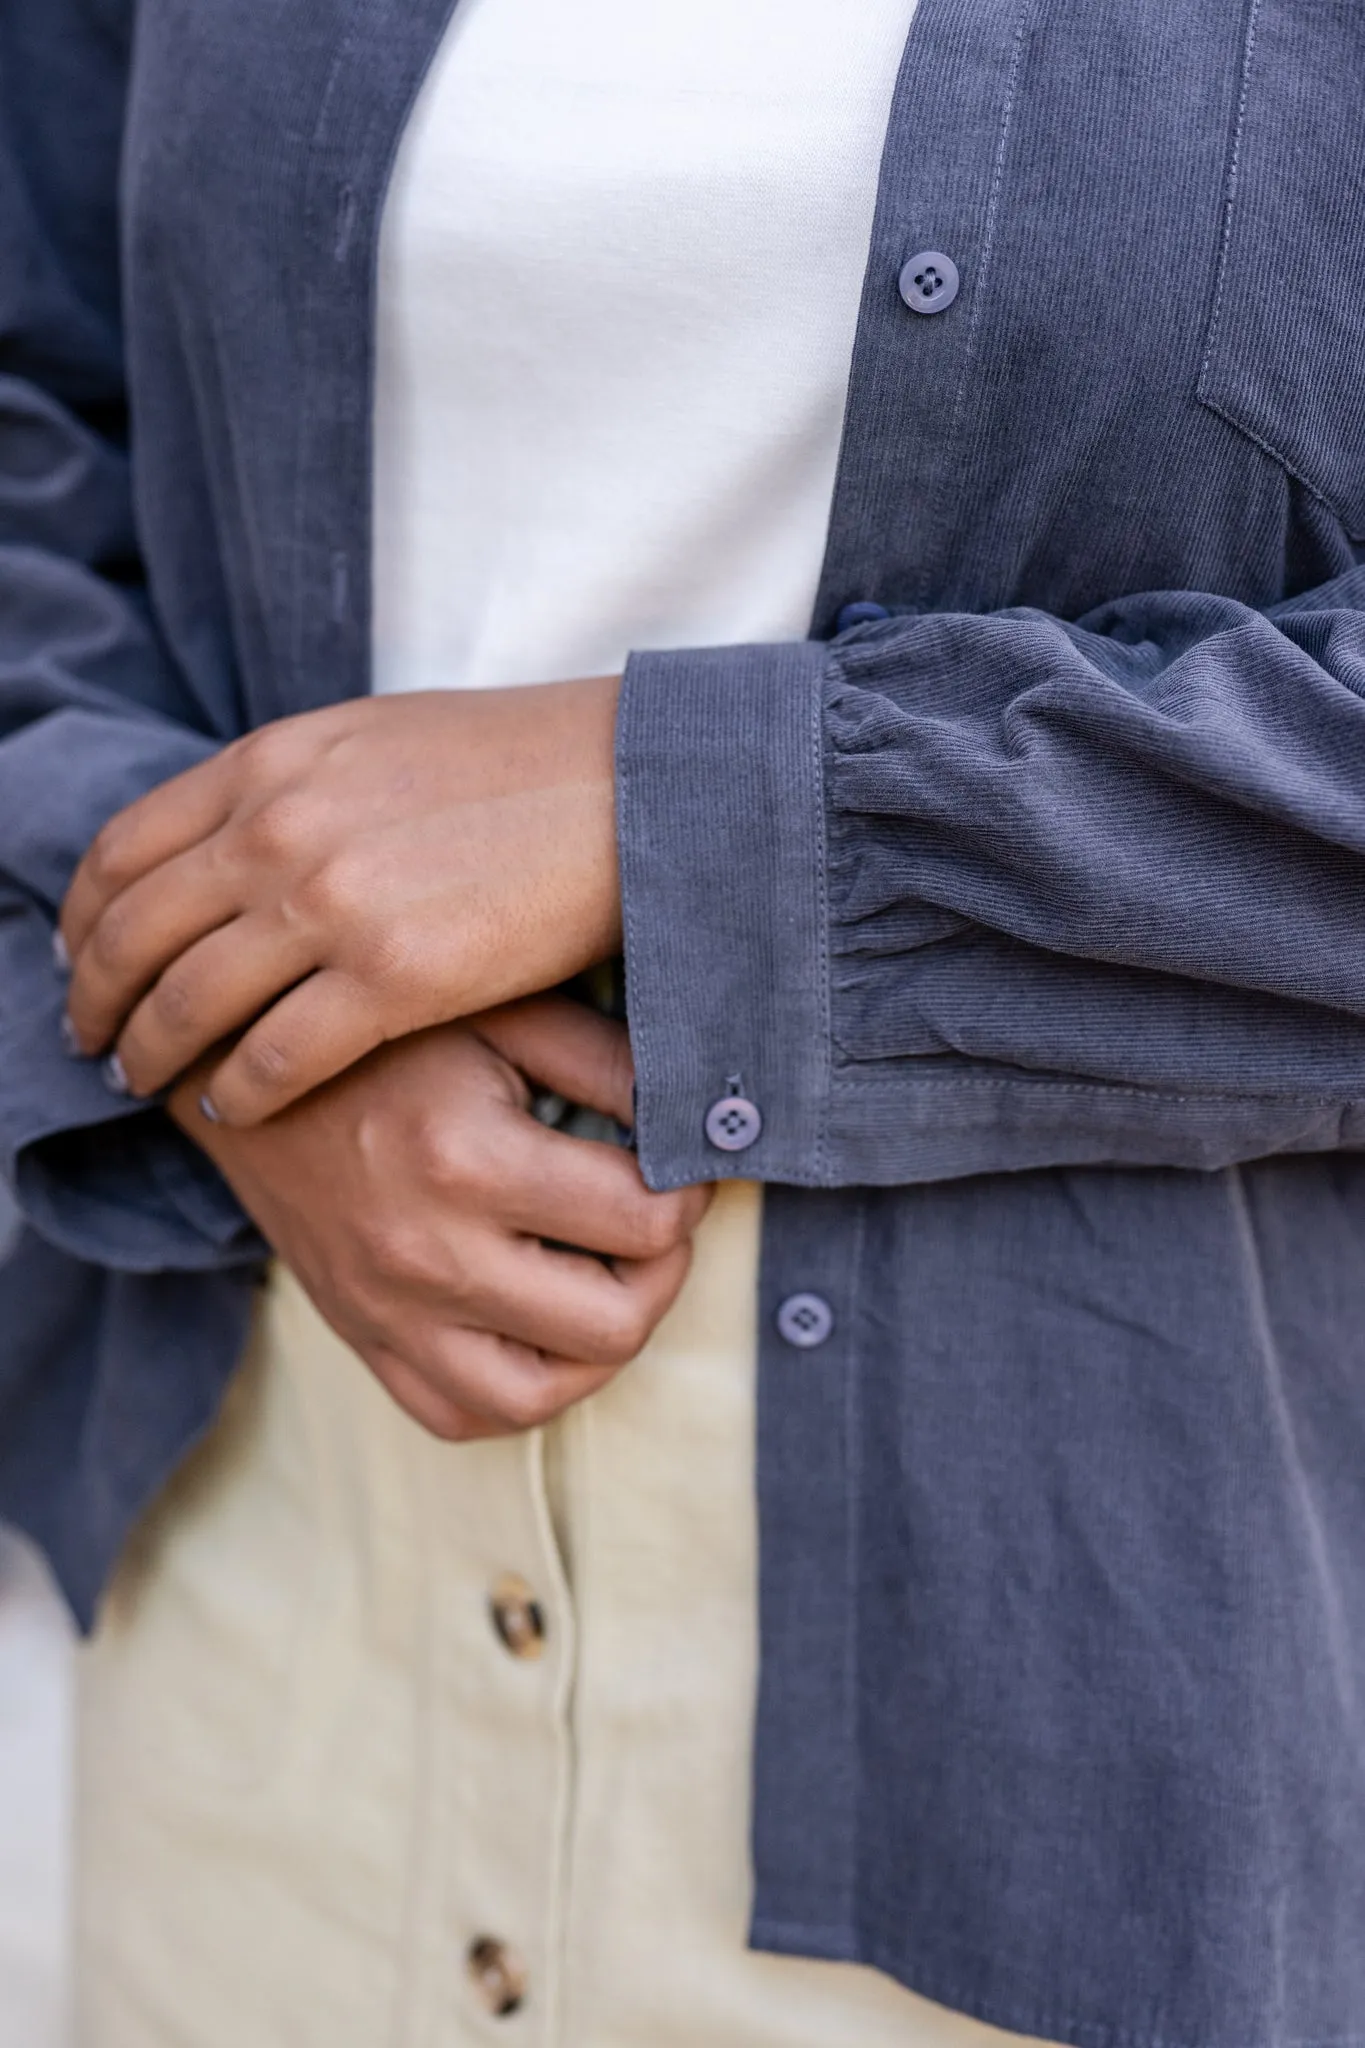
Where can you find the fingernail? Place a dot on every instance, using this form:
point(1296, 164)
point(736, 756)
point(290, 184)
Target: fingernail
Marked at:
point(61, 953)
point(208, 1111)
point(71, 1045)
point(115, 1079)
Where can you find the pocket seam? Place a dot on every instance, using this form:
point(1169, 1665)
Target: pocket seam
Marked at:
point(1229, 204)
point(1203, 386)
point(1279, 458)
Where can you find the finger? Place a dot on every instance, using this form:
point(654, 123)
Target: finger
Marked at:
point(571, 1306)
point(206, 995)
point(564, 1046)
point(315, 1032)
point(427, 1402)
point(164, 823)
point(588, 1194)
point(138, 934)
point(504, 1385)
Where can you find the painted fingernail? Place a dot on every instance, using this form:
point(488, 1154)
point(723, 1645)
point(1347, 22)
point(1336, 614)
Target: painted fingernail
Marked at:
point(61, 953)
point(71, 1045)
point(208, 1111)
point(115, 1079)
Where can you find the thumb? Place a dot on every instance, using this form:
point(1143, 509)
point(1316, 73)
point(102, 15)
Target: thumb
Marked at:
point(562, 1045)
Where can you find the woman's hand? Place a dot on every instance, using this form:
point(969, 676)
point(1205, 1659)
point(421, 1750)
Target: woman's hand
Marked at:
point(412, 1198)
point(343, 878)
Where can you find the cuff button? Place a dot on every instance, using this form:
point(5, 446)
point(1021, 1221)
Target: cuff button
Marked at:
point(733, 1124)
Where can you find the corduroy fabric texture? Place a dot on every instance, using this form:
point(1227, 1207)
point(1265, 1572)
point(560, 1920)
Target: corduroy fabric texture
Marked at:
point(1031, 916)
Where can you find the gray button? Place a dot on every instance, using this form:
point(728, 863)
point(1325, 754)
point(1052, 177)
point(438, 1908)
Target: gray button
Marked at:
point(805, 1320)
point(861, 613)
point(930, 282)
point(733, 1123)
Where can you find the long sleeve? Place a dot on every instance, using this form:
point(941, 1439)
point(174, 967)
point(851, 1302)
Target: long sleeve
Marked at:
point(956, 894)
point(92, 711)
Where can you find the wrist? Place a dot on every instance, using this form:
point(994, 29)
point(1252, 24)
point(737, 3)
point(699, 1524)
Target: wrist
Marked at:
point(583, 737)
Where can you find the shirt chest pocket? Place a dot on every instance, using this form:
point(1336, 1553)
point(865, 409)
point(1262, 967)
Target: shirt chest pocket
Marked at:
point(1285, 357)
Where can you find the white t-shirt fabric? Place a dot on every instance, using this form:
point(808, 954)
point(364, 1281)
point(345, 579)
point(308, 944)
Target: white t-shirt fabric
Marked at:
point(620, 271)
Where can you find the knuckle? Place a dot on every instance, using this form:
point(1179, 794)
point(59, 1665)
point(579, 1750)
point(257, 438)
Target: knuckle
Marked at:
point(639, 1327)
point(445, 1421)
point(527, 1400)
point(439, 1157)
point(175, 1004)
point(264, 1066)
point(280, 830)
point(618, 1333)
point(332, 893)
point(452, 1428)
point(383, 959)
point(267, 753)
point(109, 941)
point(486, 1172)
point(108, 860)
point(661, 1224)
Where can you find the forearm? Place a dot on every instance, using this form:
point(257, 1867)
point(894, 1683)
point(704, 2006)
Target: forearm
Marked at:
point(346, 878)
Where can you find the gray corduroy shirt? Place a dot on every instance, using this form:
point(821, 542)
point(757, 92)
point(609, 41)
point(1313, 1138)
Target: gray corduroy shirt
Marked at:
point(1026, 907)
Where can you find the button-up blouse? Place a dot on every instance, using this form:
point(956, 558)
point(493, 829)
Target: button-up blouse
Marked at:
point(1017, 910)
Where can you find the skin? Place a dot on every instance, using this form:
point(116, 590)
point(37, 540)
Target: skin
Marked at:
point(344, 878)
point(412, 1198)
point(326, 899)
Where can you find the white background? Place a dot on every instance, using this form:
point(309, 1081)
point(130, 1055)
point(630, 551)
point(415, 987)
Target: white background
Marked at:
point(35, 1655)
point(35, 1724)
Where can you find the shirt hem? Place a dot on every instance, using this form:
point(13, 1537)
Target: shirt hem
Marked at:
point(838, 1945)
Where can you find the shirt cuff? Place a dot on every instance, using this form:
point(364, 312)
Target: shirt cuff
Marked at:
point(720, 830)
point(107, 1179)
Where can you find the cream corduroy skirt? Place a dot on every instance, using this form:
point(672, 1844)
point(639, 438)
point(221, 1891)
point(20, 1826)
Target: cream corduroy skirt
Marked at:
point(387, 1743)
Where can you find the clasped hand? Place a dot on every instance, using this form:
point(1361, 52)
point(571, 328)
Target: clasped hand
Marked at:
point(332, 892)
point(428, 1215)
point(343, 878)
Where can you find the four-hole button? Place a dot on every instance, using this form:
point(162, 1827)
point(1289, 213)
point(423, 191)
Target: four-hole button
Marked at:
point(733, 1124)
point(805, 1320)
point(930, 282)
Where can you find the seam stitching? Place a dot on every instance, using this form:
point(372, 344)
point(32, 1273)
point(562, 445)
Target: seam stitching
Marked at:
point(1230, 195)
point(860, 1075)
point(824, 963)
point(992, 216)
